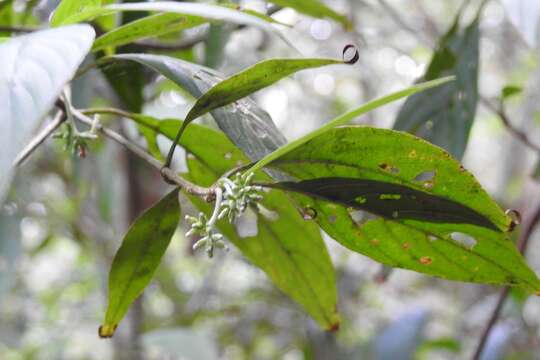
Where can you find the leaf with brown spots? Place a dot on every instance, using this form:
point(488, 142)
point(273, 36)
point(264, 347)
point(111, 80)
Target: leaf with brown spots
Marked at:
point(442, 213)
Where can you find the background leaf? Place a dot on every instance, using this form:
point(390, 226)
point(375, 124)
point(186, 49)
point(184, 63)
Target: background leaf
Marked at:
point(181, 343)
point(444, 115)
point(207, 11)
point(137, 259)
point(464, 252)
point(401, 339)
point(68, 8)
point(154, 25)
point(316, 9)
point(35, 68)
point(245, 123)
point(348, 117)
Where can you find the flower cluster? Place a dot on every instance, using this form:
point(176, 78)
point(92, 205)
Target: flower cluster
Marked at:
point(232, 199)
point(210, 238)
point(238, 194)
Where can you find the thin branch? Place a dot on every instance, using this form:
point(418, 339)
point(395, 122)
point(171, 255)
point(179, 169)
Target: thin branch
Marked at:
point(501, 113)
point(524, 239)
point(168, 174)
point(40, 138)
point(491, 323)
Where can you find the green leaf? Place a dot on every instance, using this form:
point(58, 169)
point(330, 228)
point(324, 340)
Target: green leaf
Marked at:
point(444, 116)
point(150, 26)
point(245, 123)
point(127, 80)
point(510, 91)
point(393, 201)
point(289, 250)
point(138, 258)
point(345, 118)
point(250, 80)
point(316, 9)
point(207, 11)
point(465, 245)
point(69, 8)
point(35, 69)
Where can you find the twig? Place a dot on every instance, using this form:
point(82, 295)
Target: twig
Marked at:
point(167, 173)
point(40, 138)
point(501, 113)
point(524, 239)
point(491, 322)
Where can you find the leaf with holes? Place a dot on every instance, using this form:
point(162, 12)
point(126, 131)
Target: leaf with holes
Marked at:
point(444, 115)
point(138, 258)
point(433, 216)
point(316, 9)
point(289, 250)
point(245, 123)
point(35, 68)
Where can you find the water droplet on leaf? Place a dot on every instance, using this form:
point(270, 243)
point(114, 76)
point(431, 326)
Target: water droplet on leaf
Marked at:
point(515, 216)
point(309, 213)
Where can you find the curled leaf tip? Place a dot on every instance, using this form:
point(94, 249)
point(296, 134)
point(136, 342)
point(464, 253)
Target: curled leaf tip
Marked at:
point(352, 59)
point(334, 327)
point(107, 331)
point(515, 217)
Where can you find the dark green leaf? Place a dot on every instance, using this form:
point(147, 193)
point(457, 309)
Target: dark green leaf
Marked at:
point(30, 83)
point(472, 250)
point(245, 123)
point(445, 115)
point(510, 91)
point(138, 258)
point(251, 80)
point(127, 80)
point(316, 9)
point(155, 25)
point(392, 201)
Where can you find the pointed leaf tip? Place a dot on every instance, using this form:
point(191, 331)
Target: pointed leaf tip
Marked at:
point(107, 331)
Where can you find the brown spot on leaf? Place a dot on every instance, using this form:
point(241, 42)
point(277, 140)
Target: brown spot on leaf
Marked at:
point(406, 246)
point(375, 241)
point(334, 327)
point(426, 260)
